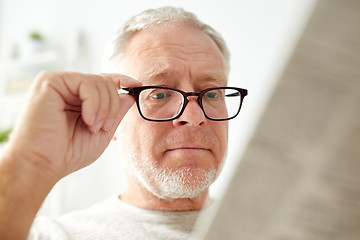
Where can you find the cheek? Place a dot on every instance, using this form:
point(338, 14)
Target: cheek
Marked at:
point(221, 131)
point(127, 132)
point(153, 136)
point(125, 124)
point(138, 136)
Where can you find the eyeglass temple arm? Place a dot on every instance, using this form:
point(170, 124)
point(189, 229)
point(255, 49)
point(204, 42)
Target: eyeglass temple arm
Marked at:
point(129, 91)
point(233, 94)
point(125, 90)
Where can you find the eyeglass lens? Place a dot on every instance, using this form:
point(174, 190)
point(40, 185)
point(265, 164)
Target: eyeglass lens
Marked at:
point(162, 104)
point(221, 103)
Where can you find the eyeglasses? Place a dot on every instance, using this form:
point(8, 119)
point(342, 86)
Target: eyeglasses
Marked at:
point(162, 104)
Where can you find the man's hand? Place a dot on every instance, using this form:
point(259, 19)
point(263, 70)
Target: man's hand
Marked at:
point(67, 123)
point(70, 119)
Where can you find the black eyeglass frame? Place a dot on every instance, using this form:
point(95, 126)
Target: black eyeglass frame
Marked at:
point(135, 92)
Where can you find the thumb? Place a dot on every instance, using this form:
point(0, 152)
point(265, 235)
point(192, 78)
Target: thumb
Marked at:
point(126, 102)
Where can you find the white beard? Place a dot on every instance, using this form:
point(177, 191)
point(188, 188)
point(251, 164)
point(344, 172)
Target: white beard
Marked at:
point(169, 183)
point(166, 183)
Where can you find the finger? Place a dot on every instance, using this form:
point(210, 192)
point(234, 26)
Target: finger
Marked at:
point(105, 107)
point(87, 90)
point(89, 95)
point(114, 106)
point(120, 103)
point(104, 102)
point(122, 80)
point(126, 102)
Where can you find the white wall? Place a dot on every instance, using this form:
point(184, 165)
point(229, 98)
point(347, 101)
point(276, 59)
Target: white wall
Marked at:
point(260, 35)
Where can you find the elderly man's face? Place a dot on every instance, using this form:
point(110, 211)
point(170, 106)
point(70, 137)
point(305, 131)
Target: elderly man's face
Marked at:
point(179, 158)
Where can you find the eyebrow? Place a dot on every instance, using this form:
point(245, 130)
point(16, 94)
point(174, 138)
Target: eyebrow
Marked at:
point(159, 76)
point(219, 79)
point(156, 73)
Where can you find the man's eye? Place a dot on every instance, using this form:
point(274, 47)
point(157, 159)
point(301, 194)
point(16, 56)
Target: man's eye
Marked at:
point(212, 95)
point(159, 95)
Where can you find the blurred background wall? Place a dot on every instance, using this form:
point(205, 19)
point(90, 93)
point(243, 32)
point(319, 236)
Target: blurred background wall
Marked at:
point(71, 35)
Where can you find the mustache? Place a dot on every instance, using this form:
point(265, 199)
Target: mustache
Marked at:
point(203, 138)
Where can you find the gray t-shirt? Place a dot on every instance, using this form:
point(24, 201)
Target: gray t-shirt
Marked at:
point(115, 219)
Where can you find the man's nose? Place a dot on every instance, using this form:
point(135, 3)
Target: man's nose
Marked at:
point(192, 115)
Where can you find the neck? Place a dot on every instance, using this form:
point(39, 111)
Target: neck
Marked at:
point(139, 196)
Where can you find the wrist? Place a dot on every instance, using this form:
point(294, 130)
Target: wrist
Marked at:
point(28, 170)
point(23, 188)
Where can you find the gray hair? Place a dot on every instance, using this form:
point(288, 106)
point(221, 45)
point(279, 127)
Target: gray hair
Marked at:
point(115, 51)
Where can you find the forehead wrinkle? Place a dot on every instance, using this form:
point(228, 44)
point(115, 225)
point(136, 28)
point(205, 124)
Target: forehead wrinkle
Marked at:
point(217, 79)
point(159, 76)
point(156, 73)
point(164, 57)
point(184, 52)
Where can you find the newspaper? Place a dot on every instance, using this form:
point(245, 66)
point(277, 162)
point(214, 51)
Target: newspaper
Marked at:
point(299, 178)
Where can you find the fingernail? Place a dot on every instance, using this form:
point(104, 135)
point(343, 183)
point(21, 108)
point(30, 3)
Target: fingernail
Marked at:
point(109, 123)
point(98, 126)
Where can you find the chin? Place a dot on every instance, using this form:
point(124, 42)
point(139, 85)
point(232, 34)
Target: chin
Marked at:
point(185, 182)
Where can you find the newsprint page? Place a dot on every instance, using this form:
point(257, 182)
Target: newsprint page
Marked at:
point(300, 176)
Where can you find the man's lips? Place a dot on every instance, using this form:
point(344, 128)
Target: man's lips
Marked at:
point(189, 149)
